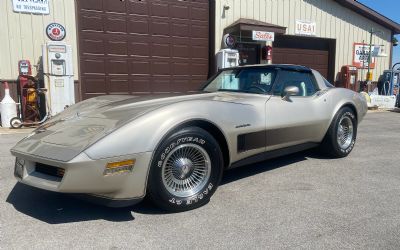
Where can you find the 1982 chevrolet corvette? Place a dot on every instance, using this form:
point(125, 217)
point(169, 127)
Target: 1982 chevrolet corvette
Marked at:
point(175, 149)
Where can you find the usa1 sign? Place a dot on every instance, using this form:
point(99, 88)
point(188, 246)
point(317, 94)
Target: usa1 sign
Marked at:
point(306, 28)
point(263, 36)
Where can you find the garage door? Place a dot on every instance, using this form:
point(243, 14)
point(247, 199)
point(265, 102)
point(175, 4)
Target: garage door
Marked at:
point(142, 46)
point(315, 59)
point(315, 53)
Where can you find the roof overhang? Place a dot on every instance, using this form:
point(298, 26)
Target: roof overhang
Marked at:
point(244, 24)
point(371, 14)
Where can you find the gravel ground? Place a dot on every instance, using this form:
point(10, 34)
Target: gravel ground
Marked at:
point(301, 201)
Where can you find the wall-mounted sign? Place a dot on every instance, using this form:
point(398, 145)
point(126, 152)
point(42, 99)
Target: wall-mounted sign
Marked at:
point(306, 28)
point(55, 31)
point(32, 6)
point(263, 36)
point(361, 56)
point(229, 41)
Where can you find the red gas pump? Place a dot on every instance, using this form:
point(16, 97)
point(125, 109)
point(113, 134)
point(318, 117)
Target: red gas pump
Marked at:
point(27, 92)
point(349, 77)
point(267, 53)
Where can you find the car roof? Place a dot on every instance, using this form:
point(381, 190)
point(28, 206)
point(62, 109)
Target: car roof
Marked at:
point(280, 66)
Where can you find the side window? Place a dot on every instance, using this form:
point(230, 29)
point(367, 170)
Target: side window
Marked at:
point(303, 80)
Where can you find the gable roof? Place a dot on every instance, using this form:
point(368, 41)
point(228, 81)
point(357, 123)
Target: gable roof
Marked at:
point(371, 14)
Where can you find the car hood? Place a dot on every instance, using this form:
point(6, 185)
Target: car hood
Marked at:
point(69, 133)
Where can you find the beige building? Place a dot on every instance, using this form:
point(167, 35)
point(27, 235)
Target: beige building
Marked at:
point(154, 46)
point(23, 34)
point(318, 33)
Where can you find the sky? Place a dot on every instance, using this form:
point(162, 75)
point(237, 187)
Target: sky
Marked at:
point(390, 9)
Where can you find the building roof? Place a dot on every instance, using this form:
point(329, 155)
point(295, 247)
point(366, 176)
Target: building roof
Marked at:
point(250, 24)
point(371, 14)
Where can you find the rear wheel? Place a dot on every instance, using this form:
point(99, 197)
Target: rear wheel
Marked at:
point(186, 170)
point(340, 139)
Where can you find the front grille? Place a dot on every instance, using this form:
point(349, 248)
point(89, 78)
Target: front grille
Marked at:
point(49, 170)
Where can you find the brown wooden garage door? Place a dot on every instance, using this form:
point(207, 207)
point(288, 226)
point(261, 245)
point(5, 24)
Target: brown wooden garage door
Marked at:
point(142, 46)
point(316, 53)
point(315, 59)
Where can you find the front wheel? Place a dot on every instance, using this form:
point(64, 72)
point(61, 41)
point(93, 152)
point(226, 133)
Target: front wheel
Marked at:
point(186, 170)
point(340, 139)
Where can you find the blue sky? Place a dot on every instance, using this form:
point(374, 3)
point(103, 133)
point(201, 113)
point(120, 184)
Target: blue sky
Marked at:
point(390, 9)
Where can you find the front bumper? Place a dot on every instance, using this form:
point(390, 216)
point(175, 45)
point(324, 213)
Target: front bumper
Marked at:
point(83, 175)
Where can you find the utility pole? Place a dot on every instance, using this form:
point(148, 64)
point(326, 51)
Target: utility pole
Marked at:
point(369, 76)
point(369, 73)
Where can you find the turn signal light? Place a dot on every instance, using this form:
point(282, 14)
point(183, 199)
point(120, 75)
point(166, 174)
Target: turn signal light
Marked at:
point(119, 167)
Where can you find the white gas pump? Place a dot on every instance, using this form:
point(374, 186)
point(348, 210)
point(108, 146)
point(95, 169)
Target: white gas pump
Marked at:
point(59, 75)
point(227, 58)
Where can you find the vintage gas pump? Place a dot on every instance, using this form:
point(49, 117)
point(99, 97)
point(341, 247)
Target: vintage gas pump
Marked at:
point(349, 77)
point(266, 53)
point(227, 58)
point(388, 83)
point(27, 95)
point(59, 75)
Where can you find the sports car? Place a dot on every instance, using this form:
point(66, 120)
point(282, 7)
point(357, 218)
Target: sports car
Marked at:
point(174, 149)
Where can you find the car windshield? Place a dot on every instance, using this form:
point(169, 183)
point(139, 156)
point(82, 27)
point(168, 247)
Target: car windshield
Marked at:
point(247, 80)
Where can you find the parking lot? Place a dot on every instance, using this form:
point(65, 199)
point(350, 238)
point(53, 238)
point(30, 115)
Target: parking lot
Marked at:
point(298, 201)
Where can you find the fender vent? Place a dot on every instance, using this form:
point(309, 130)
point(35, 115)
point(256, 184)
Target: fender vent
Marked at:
point(49, 170)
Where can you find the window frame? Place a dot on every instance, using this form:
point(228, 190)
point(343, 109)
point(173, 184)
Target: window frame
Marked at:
point(309, 73)
point(276, 69)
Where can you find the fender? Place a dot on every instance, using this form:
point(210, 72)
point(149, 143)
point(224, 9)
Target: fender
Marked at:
point(340, 97)
point(146, 132)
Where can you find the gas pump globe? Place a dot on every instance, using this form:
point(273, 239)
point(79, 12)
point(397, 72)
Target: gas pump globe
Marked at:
point(59, 75)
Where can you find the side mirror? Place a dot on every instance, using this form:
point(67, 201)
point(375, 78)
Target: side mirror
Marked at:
point(290, 91)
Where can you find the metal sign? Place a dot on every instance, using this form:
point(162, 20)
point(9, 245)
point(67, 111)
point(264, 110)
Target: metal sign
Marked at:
point(263, 36)
point(229, 41)
point(32, 6)
point(55, 31)
point(361, 56)
point(306, 28)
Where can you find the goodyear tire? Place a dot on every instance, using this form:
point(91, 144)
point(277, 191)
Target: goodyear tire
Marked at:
point(186, 170)
point(340, 139)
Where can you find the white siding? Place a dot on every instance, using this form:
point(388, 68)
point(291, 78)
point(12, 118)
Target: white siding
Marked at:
point(22, 35)
point(333, 21)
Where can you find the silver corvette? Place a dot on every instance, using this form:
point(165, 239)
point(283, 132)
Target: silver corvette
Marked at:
point(118, 149)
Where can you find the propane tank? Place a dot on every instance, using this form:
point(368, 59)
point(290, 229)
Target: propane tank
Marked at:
point(8, 108)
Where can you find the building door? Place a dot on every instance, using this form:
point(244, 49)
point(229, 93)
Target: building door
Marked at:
point(249, 53)
point(316, 53)
point(142, 46)
point(302, 118)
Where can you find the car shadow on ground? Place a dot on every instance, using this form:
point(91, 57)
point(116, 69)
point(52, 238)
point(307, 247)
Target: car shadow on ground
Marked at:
point(55, 208)
point(235, 174)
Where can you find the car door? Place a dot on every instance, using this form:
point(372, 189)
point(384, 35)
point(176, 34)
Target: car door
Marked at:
point(298, 119)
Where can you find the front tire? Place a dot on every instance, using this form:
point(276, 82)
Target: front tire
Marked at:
point(340, 139)
point(186, 170)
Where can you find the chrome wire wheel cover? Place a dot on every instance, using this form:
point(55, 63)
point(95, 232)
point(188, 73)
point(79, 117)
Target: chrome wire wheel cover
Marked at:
point(186, 170)
point(345, 132)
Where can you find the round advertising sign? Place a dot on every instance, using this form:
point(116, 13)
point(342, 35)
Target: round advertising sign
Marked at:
point(229, 41)
point(55, 31)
